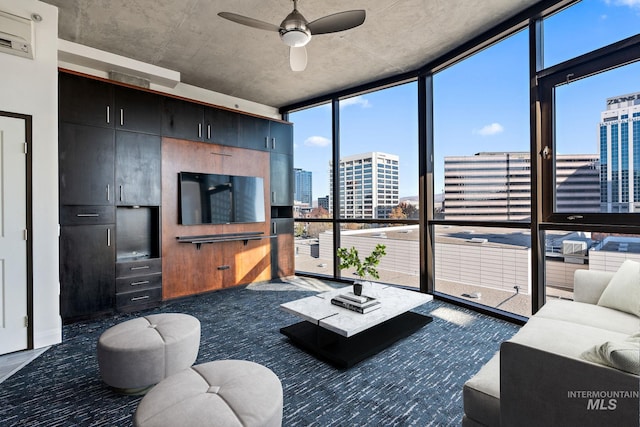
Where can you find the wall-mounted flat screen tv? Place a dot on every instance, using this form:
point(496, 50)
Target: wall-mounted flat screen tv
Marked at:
point(207, 198)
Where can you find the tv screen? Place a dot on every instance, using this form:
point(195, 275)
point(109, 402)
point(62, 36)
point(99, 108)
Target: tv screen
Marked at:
point(220, 199)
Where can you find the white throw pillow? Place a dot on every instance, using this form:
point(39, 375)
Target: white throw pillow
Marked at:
point(622, 355)
point(623, 291)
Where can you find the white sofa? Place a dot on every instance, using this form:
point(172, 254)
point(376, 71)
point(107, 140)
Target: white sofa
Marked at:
point(541, 376)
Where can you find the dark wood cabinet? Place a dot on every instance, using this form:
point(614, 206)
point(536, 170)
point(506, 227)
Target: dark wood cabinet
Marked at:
point(282, 179)
point(182, 119)
point(137, 110)
point(87, 273)
point(282, 252)
point(220, 127)
point(85, 101)
point(253, 133)
point(281, 137)
point(96, 103)
point(86, 165)
point(138, 169)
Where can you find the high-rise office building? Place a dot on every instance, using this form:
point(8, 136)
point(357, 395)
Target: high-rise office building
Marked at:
point(303, 189)
point(369, 185)
point(497, 185)
point(620, 154)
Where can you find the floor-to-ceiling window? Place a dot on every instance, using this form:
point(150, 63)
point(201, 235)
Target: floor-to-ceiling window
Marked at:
point(530, 167)
point(378, 180)
point(482, 178)
point(313, 185)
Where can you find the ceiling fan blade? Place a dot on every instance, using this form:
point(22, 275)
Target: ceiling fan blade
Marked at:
point(250, 22)
point(298, 58)
point(337, 22)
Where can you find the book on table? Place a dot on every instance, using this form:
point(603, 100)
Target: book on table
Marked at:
point(360, 299)
point(369, 305)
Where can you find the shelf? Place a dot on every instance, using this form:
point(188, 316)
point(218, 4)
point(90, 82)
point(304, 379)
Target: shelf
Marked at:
point(218, 238)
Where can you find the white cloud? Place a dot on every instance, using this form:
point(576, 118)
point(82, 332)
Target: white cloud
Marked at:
point(630, 3)
point(356, 100)
point(317, 141)
point(492, 129)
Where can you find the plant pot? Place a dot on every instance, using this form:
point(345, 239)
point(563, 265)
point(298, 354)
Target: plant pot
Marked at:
point(357, 288)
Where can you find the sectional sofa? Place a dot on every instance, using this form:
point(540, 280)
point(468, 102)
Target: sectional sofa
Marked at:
point(575, 363)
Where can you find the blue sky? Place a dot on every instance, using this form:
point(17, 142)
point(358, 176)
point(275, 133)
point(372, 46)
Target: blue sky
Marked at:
point(480, 104)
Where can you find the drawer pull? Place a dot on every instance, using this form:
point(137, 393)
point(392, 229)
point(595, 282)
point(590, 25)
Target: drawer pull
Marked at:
point(142, 282)
point(143, 267)
point(140, 298)
point(94, 215)
point(224, 267)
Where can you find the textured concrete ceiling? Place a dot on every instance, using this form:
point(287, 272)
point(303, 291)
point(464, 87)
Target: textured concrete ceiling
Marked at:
point(216, 54)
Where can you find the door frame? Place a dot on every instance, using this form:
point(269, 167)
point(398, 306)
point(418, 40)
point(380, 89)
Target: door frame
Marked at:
point(28, 132)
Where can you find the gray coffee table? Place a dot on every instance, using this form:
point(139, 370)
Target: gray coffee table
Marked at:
point(343, 337)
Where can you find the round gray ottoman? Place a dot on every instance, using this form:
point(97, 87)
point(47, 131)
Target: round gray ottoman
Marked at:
point(139, 353)
point(229, 393)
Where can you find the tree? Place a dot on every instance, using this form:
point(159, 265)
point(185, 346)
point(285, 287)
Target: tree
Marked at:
point(404, 210)
point(319, 212)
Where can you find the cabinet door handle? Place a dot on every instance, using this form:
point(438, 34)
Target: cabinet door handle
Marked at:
point(88, 215)
point(208, 131)
point(143, 267)
point(142, 282)
point(121, 192)
point(273, 143)
point(108, 114)
point(140, 298)
point(273, 197)
point(108, 193)
point(108, 237)
point(275, 228)
point(199, 130)
point(266, 142)
point(121, 117)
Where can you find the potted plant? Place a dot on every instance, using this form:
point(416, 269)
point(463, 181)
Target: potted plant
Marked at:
point(349, 258)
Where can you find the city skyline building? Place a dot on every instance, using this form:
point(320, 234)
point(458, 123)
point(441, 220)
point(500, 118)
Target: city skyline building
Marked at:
point(368, 185)
point(619, 145)
point(323, 202)
point(497, 185)
point(303, 191)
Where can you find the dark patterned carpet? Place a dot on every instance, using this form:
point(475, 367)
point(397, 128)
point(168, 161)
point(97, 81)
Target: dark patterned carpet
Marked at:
point(416, 382)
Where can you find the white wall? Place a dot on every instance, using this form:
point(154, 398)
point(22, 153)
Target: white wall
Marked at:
point(30, 86)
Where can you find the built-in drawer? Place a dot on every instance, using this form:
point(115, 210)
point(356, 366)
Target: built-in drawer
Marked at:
point(138, 298)
point(87, 215)
point(139, 268)
point(138, 283)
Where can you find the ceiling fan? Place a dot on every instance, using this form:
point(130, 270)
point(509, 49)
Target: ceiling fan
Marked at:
point(295, 31)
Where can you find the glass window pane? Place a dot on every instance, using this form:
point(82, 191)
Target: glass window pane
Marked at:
point(379, 153)
point(597, 142)
point(568, 251)
point(314, 248)
point(481, 135)
point(312, 158)
point(400, 265)
point(597, 22)
point(489, 266)
point(312, 150)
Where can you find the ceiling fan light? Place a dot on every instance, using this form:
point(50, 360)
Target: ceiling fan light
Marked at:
point(295, 37)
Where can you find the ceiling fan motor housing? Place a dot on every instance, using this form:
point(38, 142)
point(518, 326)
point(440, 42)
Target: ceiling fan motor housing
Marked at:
point(294, 31)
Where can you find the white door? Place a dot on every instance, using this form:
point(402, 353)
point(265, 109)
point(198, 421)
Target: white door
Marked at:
point(13, 228)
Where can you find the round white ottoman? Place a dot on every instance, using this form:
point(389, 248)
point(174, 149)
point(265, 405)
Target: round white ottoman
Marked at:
point(139, 353)
point(226, 393)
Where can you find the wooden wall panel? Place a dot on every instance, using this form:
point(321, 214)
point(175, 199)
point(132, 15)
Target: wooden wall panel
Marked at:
point(186, 270)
